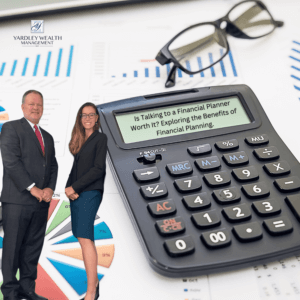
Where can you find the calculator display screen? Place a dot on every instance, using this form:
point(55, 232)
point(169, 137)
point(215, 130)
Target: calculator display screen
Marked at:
point(179, 119)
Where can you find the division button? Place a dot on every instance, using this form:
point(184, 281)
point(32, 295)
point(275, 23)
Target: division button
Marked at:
point(162, 208)
point(180, 168)
point(257, 140)
point(226, 196)
point(208, 163)
point(144, 175)
point(197, 201)
point(170, 226)
point(266, 153)
point(188, 184)
point(236, 158)
point(248, 232)
point(278, 226)
point(294, 204)
point(180, 246)
point(217, 179)
point(237, 213)
point(206, 219)
point(277, 168)
point(199, 150)
point(153, 191)
point(289, 184)
point(245, 174)
point(266, 207)
point(216, 239)
point(256, 190)
point(227, 145)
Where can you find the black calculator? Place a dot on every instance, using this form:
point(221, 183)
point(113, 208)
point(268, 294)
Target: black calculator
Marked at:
point(208, 183)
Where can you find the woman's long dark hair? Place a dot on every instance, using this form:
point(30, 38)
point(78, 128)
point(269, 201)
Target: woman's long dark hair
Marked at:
point(78, 133)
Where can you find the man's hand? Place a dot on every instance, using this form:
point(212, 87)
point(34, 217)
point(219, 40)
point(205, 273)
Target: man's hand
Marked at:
point(69, 191)
point(37, 193)
point(48, 193)
point(74, 196)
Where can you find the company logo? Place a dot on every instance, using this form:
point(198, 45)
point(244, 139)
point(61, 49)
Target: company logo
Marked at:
point(37, 26)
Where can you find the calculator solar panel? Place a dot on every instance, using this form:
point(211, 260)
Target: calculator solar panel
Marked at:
point(207, 182)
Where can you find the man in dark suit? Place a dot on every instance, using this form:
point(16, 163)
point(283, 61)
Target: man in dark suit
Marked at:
point(29, 179)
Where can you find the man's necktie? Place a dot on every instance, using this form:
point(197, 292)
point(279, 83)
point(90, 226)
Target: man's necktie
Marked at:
point(39, 137)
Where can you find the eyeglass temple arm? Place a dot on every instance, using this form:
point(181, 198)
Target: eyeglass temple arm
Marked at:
point(171, 80)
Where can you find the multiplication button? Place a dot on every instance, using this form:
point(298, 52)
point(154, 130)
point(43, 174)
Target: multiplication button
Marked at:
point(267, 153)
point(153, 191)
point(180, 168)
point(197, 201)
point(199, 150)
point(170, 226)
point(180, 246)
point(188, 184)
point(289, 184)
point(277, 168)
point(227, 145)
point(248, 232)
point(208, 163)
point(257, 140)
point(162, 208)
point(236, 158)
point(278, 226)
point(216, 239)
point(144, 175)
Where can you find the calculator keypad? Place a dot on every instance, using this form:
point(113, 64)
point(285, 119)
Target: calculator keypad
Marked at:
point(197, 201)
point(217, 179)
point(227, 145)
point(207, 219)
point(277, 168)
point(199, 150)
point(236, 159)
point(237, 213)
point(180, 246)
point(227, 196)
point(208, 163)
point(216, 239)
point(294, 204)
point(170, 226)
point(144, 175)
point(180, 168)
point(248, 232)
point(162, 208)
point(188, 184)
point(245, 174)
point(278, 226)
point(256, 140)
point(289, 184)
point(153, 191)
point(266, 153)
point(256, 190)
point(267, 207)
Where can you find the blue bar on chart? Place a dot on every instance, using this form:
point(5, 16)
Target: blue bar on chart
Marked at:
point(146, 72)
point(168, 69)
point(124, 75)
point(232, 64)
point(296, 59)
point(296, 42)
point(157, 71)
point(188, 66)
point(25, 66)
point(47, 64)
point(295, 68)
point(295, 77)
point(135, 73)
point(12, 73)
point(179, 72)
point(200, 66)
point(211, 60)
point(297, 88)
point(222, 64)
point(70, 61)
point(58, 62)
point(2, 68)
point(36, 65)
point(296, 50)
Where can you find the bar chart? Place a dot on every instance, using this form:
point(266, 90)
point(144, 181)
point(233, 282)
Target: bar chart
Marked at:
point(295, 65)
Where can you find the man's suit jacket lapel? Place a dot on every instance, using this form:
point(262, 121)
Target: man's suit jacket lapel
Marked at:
point(30, 132)
point(85, 144)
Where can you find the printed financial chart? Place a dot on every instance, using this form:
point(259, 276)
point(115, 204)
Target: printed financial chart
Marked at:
point(295, 65)
point(61, 273)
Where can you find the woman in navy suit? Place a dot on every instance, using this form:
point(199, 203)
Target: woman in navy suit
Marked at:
point(85, 187)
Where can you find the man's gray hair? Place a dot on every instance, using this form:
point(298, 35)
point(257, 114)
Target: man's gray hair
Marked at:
point(29, 92)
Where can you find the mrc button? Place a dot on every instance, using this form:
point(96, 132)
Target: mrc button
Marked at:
point(162, 208)
point(180, 168)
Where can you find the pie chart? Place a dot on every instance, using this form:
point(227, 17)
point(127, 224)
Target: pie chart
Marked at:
point(61, 273)
point(3, 116)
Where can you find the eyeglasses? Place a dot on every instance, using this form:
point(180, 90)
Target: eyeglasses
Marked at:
point(84, 116)
point(202, 45)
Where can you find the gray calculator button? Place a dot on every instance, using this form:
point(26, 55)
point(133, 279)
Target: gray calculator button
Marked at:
point(162, 208)
point(196, 201)
point(170, 226)
point(245, 174)
point(227, 145)
point(227, 195)
point(293, 202)
point(216, 239)
point(188, 184)
point(208, 163)
point(144, 175)
point(248, 232)
point(207, 219)
point(266, 153)
point(277, 168)
point(289, 184)
point(236, 158)
point(217, 179)
point(266, 207)
point(237, 213)
point(180, 246)
point(256, 140)
point(256, 190)
point(152, 191)
point(278, 226)
point(199, 150)
point(180, 168)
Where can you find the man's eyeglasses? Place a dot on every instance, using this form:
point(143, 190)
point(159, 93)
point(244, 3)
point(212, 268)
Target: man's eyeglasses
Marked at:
point(84, 116)
point(202, 45)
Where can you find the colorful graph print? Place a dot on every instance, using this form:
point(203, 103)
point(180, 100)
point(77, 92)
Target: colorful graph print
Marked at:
point(3, 116)
point(62, 259)
point(295, 64)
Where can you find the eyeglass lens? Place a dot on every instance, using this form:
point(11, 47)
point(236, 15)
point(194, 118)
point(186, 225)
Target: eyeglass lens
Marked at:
point(85, 116)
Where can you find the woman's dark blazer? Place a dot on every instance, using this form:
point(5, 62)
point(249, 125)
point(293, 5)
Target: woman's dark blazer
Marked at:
point(88, 171)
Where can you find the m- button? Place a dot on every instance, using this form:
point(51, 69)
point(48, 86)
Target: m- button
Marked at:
point(180, 168)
